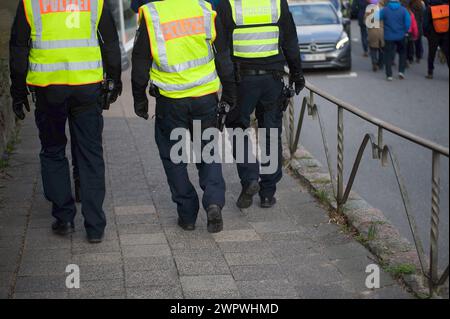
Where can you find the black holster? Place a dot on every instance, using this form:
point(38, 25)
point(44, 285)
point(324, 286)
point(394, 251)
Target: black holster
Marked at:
point(286, 95)
point(223, 108)
point(32, 91)
point(154, 91)
point(108, 87)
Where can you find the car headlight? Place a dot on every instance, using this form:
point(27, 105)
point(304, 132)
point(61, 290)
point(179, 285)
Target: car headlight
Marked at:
point(343, 41)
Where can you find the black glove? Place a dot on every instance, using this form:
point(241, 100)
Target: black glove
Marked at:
point(18, 105)
point(229, 94)
point(116, 92)
point(141, 109)
point(299, 80)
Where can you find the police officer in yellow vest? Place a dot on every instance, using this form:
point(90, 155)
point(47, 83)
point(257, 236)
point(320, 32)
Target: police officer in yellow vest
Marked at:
point(61, 50)
point(263, 37)
point(180, 50)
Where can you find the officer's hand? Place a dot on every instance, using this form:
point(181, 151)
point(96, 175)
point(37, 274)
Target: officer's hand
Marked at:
point(299, 80)
point(116, 92)
point(229, 94)
point(141, 109)
point(18, 105)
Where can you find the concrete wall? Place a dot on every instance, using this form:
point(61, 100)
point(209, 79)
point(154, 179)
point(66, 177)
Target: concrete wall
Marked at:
point(7, 119)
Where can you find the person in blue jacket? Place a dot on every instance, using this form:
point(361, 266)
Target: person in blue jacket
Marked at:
point(397, 22)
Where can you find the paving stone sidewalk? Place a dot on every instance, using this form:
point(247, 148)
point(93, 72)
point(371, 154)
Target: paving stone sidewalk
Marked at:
point(290, 251)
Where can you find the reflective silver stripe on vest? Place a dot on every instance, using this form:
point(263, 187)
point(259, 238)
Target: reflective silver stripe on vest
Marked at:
point(239, 14)
point(184, 66)
point(182, 87)
point(64, 44)
point(255, 36)
point(94, 17)
point(66, 66)
point(275, 12)
point(37, 19)
point(208, 19)
point(161, 43)
point(256, 48)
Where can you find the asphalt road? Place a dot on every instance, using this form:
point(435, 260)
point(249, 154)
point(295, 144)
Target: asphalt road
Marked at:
point(416, 104)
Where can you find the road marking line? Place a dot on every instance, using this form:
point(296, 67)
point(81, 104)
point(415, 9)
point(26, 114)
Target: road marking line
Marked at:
point(343, 76)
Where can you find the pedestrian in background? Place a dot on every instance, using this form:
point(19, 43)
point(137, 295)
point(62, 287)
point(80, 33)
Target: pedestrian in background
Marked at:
point(375, 30)
point(417, 7)
point(411, 37)
point(397, 22)
point(64, 66)
point(359, 9)
point(436, 31)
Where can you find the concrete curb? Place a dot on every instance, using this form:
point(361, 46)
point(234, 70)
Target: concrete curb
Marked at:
point(372, 228)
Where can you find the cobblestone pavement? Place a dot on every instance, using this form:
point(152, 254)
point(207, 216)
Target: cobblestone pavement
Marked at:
point(290, 251)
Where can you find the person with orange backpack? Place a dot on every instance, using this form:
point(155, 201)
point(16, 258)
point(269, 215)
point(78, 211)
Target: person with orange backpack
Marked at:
point(436, 27)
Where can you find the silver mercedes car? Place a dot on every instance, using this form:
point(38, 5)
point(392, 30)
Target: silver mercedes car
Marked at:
point(324, 35)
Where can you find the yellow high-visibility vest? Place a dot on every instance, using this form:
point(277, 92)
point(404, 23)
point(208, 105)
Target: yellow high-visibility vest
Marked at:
point(64, 43)
point(181, 34)
point(257, 32)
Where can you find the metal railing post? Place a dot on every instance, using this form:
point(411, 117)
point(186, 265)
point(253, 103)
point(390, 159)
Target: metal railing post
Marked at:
point(340, 157)
point(435, 211)
point(291, 125)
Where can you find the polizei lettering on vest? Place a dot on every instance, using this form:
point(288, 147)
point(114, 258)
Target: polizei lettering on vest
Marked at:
point(54, 6)
point(183, 28)
point(257, 11)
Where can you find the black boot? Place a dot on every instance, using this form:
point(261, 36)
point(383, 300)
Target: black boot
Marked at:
point(268, 202)
point(215, 221)
point(62, 228)
point(245, 200)
point(95, 239)
point(186, 226)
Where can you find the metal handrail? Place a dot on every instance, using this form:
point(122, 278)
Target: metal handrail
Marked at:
point(381, 152)
point(380, 123)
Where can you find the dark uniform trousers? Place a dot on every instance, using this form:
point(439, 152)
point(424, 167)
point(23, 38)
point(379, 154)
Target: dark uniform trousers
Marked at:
point(73, 146)
point(435, 41)
point(180, 113)
point(262, 94)
point(80, 106)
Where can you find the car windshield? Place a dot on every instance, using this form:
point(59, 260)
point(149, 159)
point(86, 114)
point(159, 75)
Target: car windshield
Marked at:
point(336, 4)
point(314, 14)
